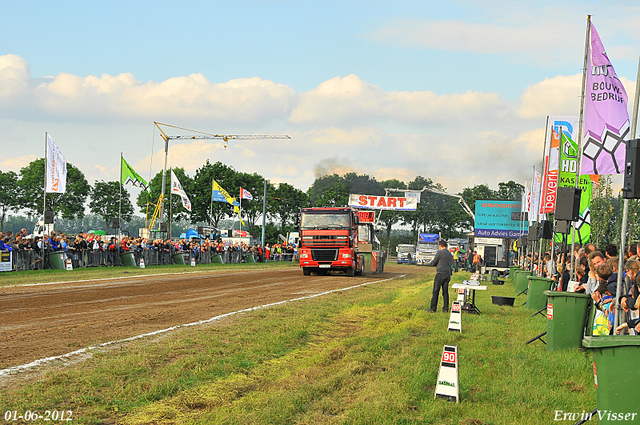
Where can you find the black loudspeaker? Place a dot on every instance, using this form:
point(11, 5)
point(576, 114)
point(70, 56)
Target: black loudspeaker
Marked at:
point(229, 233)
point(563, 226)
point(533, 232)
point(522, 242)
point(631, 184)
point(48, 217)
point(115, 223)
point(163, 227)
point(568, 204)
point(546, 230)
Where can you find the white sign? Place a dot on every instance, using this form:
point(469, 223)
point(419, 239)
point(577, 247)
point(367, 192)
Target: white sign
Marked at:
point(69, 264)
point(5, 262)
point(488, 241)
point(374, 202)
point(455, 318)
point(461, 295)
point(447, 386)
point(193, 261)
point(142, 263)
point(415, 195)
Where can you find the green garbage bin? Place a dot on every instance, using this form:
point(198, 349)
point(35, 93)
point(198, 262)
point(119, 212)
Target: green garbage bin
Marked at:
point(250, 258)
point(617, 377)
point(536, 299)
point(178, 258)
point(128, 259)
point(217, 259)
point(56, 260)
point(566, 316)
point(521, 280)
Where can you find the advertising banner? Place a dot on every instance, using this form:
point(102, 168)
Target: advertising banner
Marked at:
point(498, 219)
point(5, 262)
point(396, 203)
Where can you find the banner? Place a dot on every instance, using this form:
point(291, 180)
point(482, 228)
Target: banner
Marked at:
point(176, 188)
point(56, 169)
point(569, 160)
point(6, 264)
point(245, 194)
point(549, 186)
point(606, 119)
point(535, 197)
point(129, 175)
point(498, 219)
point(396, 203)
point(218, 194)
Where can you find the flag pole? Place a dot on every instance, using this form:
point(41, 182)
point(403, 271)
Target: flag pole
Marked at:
point(120, 200)
point(625, 211)
point(264, 212)
point(44, 198)
point(574, 261)
point(170, 205)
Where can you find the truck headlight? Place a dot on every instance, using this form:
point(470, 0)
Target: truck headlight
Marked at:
point(304, 255)
point(346, 255)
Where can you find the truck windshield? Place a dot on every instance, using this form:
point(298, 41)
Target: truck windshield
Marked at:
point(324, 221)
point(364, 234)
point(406, 249)
point(427, 245)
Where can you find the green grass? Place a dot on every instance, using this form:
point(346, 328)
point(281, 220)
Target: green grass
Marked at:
point(365, 356)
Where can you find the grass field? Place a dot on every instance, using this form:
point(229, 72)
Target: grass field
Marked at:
point(364, 356)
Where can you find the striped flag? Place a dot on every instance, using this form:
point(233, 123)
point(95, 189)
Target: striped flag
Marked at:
point(245, 194)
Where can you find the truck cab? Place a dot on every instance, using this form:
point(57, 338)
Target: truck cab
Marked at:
point(406, 254)
point(426, 248)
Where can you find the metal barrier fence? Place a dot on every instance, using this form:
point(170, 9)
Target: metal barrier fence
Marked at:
point(23, 260)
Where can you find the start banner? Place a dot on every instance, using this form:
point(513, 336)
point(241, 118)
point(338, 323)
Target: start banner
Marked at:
point(374, 202)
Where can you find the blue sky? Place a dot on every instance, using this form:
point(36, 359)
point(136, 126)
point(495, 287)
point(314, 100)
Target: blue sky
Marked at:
point(457, 91)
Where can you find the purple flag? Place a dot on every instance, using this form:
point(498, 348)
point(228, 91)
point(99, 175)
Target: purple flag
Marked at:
point(606, 119)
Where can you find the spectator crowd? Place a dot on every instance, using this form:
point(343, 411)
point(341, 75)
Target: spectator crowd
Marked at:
point(91, 250)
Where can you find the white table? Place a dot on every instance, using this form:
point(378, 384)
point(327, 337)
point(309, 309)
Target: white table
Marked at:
point(472, 286)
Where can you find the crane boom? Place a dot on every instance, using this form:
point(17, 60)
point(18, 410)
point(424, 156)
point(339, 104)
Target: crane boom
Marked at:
point(461, 200)
point(201, 136)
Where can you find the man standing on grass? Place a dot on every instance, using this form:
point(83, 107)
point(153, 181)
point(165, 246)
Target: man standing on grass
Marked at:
point(442, 261)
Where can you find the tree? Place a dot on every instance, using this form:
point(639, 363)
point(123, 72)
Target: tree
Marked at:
point(389, 218)
point(203, 209)
point(9, 195)
point(251, 209)
point(604, 211)
point(68, 205)
point(510, 191)
point(172, 204)
point(286, 202)
point(107, 202)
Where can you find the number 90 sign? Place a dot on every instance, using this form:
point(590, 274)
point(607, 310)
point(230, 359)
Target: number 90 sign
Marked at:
point(449, 357)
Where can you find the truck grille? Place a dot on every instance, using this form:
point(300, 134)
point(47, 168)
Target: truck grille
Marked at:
point(326, 240)
point(324, 254)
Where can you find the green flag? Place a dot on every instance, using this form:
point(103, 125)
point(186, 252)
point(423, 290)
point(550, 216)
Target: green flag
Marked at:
point(129, 175)
point(568, 167)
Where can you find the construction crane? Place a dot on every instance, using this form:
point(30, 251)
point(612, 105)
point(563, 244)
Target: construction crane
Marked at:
point(202, 136)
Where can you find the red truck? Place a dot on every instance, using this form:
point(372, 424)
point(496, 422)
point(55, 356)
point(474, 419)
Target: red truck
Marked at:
point(329, 241)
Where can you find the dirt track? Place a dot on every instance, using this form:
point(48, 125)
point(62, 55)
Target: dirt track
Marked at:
point(51, 320)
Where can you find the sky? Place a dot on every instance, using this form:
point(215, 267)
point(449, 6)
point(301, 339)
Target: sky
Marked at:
point(455, 91)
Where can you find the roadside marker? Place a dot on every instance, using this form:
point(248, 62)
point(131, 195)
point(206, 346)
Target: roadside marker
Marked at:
point(455, 318)
point(447, 385)
point(68, 264)
point(193, 261)
point(461, 295)
point(142, 263)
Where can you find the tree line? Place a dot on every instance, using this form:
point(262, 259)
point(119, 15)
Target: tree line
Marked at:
point(23, 192)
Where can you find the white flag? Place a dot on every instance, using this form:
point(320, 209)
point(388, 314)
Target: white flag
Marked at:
point(176, 188)
point(55, 169)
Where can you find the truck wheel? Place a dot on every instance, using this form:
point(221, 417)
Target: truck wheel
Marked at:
point(306, 271)
point(351, 272)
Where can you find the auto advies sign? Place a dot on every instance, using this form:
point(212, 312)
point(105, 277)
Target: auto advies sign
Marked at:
point(499, 219)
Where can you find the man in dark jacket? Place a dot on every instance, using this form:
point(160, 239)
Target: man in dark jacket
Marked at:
point(442, 261)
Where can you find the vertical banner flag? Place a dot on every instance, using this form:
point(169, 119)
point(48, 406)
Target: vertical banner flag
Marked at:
point(526, 199)
point(56, 169)
point(535, 196)
point(129, 175)
point(606, 119)
point(568, 168)
point(176, 188)
point(550, 176)
point(245, 194)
